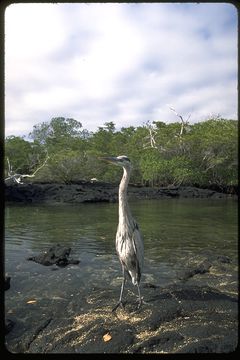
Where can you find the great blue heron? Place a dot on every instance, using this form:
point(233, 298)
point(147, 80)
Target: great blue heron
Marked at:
point(129, 243)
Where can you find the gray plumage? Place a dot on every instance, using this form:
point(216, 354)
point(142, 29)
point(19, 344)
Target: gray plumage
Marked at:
point(129, 243)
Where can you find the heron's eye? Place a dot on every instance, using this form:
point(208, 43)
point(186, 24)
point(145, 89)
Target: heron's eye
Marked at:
point(124, 158)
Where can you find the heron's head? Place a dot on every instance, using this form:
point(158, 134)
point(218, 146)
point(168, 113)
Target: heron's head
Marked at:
point(121, 160)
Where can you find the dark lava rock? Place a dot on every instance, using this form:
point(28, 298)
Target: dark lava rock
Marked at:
point(149, 285)
point(223, 259)
point(209, 346)
point(163, 342)
point(190, 191)
point(200, 268)
point(121, 337)
point(200, 293)
point(8, 325)
point(167, 311)
point(7, 282)
point(98, 336)
point(24, 343)
point(169, 192)
point(57, 254)
point(184, 318)
point(97, 192)
point(197, 316)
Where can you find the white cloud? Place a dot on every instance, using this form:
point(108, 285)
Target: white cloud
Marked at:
point(33, 31)
point(118, 62)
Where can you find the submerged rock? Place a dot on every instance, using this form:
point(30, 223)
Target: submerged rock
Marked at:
point(200, 268)
point(57, 254)
point(223, 259)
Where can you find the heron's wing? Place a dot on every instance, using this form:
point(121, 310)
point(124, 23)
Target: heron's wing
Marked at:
point(138, 248)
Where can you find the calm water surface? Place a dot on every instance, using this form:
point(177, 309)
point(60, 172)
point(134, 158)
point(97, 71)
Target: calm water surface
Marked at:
point(171, 228)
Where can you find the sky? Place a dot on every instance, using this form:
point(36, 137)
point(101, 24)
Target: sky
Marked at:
point(122, 62)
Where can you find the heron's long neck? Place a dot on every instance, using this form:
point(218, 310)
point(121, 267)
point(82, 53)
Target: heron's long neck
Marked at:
point(123, 202)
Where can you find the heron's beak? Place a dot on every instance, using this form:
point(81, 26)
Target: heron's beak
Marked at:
point(109, 159)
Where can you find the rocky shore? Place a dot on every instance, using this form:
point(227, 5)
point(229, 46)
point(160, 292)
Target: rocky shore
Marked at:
point(196, 313)
point(97, 192)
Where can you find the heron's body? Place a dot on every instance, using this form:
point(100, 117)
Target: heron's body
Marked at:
point(129, 243)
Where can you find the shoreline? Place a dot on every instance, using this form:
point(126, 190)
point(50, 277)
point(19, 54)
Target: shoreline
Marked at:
point(85, 192)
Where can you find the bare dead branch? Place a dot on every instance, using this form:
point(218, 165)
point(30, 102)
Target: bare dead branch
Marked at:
point(178, 115)
point(152, 132)
point(40, 167)
point(184, 123)
point(19, 177)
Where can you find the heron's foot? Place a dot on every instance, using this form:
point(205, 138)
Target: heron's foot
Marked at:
point(140, 302)
point(121, 304)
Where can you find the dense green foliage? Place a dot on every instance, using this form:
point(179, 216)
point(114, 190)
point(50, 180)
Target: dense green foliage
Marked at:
point(201, 154)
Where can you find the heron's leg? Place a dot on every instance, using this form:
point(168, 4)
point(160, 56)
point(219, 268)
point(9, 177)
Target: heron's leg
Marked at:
point(123, 284)
point(120, 302)
point(139, 297)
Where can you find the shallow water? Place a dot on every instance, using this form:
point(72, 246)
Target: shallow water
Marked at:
point(171, 229)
